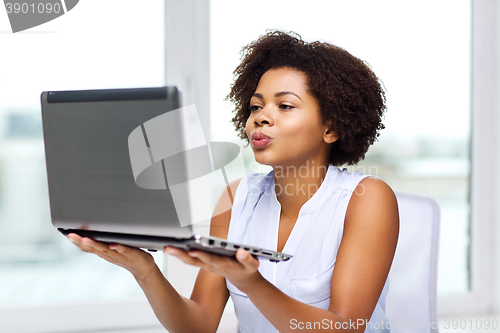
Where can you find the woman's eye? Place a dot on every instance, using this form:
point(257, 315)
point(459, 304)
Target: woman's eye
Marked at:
point(253, 108)
point(286, 107)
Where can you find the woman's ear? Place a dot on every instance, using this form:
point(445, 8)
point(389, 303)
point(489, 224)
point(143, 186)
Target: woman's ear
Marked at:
point(329, 136)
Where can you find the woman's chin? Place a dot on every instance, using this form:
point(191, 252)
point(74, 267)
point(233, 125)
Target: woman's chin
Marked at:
point(270, 158)
point(267, 162)
point(263, 161)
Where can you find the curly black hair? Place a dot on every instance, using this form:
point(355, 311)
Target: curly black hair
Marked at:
point(350, 95)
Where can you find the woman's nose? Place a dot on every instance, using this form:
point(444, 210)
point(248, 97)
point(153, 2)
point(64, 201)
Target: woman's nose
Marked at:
point(264, 117)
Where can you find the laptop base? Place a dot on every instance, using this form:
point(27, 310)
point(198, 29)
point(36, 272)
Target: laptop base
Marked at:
point(215, 245)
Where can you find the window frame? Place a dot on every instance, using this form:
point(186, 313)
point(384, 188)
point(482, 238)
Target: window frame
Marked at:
point(483, 156)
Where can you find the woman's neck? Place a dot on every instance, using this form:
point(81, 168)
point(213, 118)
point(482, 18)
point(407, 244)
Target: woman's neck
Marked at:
point(294, 185)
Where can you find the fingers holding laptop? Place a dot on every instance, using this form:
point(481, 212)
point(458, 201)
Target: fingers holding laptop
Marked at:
point(136, 261)
point(240, 270)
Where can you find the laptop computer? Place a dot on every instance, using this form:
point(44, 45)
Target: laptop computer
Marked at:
point(93, 189)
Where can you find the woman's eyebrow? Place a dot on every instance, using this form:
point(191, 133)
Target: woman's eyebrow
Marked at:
point(281, 93)
point(278, 94)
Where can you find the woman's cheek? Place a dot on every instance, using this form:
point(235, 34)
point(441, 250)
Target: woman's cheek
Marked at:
point(247, 126)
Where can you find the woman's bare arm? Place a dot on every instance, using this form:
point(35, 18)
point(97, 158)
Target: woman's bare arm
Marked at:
point(365, 255)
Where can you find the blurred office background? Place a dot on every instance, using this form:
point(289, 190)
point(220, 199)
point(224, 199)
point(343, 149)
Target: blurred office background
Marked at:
point(424, 52)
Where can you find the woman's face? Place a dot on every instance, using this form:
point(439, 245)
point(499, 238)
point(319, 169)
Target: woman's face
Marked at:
point(285, 127)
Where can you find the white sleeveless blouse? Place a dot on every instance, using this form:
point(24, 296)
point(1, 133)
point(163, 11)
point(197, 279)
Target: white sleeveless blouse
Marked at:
point(313, 242)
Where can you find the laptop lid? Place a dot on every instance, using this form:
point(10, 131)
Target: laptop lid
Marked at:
point(91, 182)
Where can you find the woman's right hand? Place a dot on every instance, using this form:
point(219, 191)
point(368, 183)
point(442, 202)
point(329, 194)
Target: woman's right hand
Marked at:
point(136, 261)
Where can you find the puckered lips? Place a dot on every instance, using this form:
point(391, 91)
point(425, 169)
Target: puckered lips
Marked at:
point(260, 140)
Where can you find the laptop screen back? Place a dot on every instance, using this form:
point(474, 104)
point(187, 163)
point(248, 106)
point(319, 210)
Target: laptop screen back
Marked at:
point(91, 183)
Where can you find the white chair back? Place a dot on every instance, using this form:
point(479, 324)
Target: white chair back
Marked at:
point(411, 303)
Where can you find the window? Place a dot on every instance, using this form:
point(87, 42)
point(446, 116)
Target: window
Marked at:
point(110, 44)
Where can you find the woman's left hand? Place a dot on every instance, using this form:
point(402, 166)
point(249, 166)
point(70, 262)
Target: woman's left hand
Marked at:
point(241, 271)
